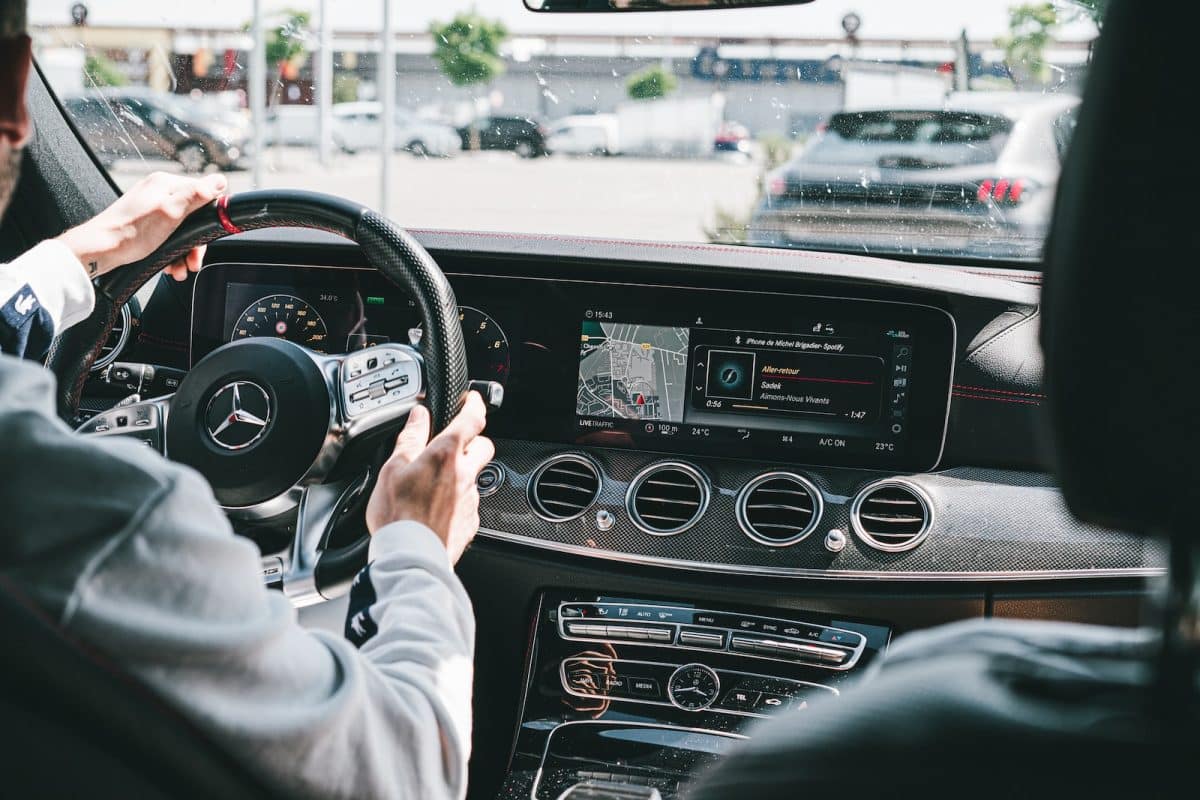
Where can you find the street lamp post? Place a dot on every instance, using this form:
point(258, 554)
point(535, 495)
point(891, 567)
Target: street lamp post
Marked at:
point(257, 92)
point(387, 107)
point(325, 86)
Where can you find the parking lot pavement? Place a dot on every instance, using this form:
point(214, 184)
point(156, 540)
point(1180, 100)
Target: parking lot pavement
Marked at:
point(665, 200)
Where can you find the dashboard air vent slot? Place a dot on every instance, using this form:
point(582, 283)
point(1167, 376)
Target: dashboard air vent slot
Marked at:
point(667, 498)
point(892, 516)
point(779, 508)
point(564, 487)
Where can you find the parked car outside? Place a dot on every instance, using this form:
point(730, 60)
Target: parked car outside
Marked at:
point(585, 135)
point(733, 137)
point(924, 180)
point(356, 127)
point(134, 122)
point(294, 125)
point(521, 135)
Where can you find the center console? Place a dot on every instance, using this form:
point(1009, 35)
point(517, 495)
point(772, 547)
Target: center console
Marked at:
point(630, 697)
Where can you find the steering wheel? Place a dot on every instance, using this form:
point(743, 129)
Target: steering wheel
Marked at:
point(267, 421)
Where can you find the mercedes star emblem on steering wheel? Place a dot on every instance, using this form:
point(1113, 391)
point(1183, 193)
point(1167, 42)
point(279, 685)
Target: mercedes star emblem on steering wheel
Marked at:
point(238, 415)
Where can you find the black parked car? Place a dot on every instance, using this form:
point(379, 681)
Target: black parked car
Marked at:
point(521, 135)
point(133, 123)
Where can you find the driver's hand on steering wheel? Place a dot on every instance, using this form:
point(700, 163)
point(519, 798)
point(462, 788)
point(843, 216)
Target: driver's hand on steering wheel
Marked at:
point(140, 220)
point(433, 482)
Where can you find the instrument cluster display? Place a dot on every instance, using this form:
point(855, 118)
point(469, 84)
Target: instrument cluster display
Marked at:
point(337, 319)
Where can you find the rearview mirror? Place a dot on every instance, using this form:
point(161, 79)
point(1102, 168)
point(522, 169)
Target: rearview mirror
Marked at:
point(650, 5)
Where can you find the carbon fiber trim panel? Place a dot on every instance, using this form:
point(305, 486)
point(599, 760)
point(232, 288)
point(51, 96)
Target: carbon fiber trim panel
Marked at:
point(989, 524)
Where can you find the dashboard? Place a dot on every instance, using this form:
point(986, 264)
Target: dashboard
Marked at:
point(823, 380)
point(824, 425)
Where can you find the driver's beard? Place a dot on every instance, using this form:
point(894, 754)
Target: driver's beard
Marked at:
point(10, 173)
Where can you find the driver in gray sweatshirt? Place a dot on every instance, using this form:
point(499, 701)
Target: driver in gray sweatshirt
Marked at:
point(131, 555)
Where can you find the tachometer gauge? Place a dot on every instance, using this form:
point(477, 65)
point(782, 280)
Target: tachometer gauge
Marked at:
point(487, 346)
point(283, 316)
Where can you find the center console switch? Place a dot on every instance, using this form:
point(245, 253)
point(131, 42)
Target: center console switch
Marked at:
point(687, 628)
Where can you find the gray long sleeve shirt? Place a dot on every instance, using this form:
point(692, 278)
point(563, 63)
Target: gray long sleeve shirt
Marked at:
point(131, 554)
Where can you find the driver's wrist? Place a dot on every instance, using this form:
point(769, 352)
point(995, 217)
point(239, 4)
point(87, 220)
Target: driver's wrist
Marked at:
point(93, 246)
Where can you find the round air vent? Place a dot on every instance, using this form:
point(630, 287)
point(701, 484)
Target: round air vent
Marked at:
point(892, 516)
point(116, 340)
point(667, 498)
point(778, 509)
point(564, 487)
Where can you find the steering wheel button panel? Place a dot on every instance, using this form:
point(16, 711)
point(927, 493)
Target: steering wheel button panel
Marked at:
point(390, 374)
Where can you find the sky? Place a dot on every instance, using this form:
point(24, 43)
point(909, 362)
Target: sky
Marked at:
point(883, 19)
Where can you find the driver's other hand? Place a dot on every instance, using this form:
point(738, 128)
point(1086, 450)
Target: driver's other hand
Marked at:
point(142, 219)
point(433, 482)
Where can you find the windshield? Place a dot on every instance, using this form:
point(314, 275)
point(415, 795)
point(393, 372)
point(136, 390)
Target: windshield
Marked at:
point(929, 128)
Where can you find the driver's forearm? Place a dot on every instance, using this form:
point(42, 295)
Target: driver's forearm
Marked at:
point(42, 293)
point(410, 616)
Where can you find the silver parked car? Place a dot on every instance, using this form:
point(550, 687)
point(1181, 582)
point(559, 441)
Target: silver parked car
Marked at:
point(976, 175)
point(356, 127)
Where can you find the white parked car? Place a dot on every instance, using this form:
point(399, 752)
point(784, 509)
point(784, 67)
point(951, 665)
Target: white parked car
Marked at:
point(585, 135)
point(356, 127)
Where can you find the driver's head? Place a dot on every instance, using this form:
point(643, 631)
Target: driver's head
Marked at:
point(15, 55)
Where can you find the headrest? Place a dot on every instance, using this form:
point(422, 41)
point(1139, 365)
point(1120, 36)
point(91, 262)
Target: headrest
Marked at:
point(1121, 305)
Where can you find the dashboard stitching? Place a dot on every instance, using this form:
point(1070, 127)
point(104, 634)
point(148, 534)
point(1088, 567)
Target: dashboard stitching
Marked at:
point(998, 399)
point(978, 351)
point(996, 391)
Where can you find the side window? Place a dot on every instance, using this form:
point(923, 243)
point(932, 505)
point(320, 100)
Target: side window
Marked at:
point(1064, 131)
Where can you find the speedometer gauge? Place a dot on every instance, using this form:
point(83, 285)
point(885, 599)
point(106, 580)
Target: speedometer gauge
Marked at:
point(283, 316)
point(487, 346)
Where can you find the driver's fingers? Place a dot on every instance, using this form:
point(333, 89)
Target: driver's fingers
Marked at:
point(189, 263)
point(478, 453)
point(192, 193)
point(414, 436)
point(468, 424)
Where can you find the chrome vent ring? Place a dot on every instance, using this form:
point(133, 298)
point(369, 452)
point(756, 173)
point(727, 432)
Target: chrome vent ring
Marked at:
point(779, 509)
point(892, 516)
point(667, 498)
point(563, 487)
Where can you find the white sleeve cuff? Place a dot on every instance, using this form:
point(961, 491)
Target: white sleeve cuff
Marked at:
point(57, 278)
point(410, 539)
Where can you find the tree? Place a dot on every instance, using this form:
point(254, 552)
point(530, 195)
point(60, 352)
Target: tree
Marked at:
point(1031, 26)
point(99, 71)
point(650, 83)
point(285, 42)
point(285, 49)
point(467, 48)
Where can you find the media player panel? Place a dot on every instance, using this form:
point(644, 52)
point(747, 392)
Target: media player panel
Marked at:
point(685, 628)
point(688, 687)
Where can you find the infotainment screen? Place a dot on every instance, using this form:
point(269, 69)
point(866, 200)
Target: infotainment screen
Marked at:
point(832, 388)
